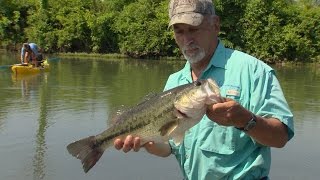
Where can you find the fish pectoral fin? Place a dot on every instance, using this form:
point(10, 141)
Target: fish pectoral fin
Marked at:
point(177, 139)
point(178, 134)
point(167, 129)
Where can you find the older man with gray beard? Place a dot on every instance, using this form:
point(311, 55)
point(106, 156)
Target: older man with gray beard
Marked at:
point(234, 138)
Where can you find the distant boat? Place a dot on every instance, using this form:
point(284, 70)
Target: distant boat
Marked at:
point(29, 69)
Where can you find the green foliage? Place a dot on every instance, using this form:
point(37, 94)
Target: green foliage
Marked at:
point(230, 13)
point(142, 29)
point(12, 22)
point(104, 39)
point(44, 4)
point(274, 30)
point(271, 30)
point(260, 28)
point(73, 32)
point(309, 31)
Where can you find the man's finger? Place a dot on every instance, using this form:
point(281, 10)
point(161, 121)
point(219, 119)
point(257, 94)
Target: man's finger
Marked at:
point(128, 144)
point(222, 107)
point(136, 144)
point(118, 144)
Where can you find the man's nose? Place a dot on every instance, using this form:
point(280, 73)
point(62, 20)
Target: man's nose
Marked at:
point(188, 39)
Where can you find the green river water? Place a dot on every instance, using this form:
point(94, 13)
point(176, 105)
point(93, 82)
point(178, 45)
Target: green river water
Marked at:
point(41, 114)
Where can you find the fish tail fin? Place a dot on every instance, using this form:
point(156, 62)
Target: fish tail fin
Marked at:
point(87, 150)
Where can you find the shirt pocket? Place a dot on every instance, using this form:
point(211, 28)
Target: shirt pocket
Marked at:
point(217, 139)
point(231, 91)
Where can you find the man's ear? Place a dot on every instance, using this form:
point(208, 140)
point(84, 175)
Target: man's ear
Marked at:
point(216, 23)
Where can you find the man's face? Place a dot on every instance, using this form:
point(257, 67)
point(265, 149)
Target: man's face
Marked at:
point(196, 42)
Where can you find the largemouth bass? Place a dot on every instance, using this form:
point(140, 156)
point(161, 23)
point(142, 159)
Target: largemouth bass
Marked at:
point(158, 118)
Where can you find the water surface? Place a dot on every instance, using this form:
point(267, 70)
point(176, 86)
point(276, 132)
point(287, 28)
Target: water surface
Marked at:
point(41, 114)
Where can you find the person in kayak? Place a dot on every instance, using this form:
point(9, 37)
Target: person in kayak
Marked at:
point(30, 54)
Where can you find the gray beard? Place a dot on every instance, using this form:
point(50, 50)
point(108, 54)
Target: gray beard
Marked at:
point(196, 57)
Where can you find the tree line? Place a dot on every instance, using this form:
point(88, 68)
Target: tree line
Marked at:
point(272, 30)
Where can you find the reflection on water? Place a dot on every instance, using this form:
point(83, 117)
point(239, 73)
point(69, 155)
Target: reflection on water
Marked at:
point(36, 85)
point(41, 114)
point(40, 151)
point(28, 83)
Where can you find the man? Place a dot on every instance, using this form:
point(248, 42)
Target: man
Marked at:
point(30, 53)
point(233, 140)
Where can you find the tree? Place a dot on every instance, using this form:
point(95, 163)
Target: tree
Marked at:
point(142, 28)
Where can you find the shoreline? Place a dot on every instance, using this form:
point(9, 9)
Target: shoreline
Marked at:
point(92, 56)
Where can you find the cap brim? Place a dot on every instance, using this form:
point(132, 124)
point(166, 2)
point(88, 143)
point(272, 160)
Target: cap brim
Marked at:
point(193, 19)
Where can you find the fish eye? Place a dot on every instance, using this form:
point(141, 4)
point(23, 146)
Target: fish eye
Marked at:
point(198, 83)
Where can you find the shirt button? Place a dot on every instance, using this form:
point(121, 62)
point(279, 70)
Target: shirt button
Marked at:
point(186, 156)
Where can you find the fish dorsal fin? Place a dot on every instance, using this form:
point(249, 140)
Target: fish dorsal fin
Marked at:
point(167, 129)
point(115, 114)
point(150, 95)
point(147, 98)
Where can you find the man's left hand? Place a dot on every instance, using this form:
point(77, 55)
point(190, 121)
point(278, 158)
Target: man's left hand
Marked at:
point(229, 113)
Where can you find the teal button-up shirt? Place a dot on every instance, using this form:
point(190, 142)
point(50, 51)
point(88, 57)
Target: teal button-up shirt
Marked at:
point(210, 151)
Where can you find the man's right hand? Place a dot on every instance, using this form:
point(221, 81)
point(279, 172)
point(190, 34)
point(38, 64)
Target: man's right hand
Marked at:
point(128, 144)
point(134, 143)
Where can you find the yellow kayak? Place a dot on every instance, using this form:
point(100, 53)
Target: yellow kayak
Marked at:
point(29, 69)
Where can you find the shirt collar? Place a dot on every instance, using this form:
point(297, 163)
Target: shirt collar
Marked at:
point(219, 57)
point(186, 72)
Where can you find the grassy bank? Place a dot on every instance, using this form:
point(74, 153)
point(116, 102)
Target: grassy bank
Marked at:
point(106, 56)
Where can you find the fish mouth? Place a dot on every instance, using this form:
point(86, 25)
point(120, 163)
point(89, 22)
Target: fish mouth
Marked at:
point(183, 114)
point(179, 114)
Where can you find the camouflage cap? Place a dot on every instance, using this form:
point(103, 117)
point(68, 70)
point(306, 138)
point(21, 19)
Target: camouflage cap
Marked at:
point(189, 11)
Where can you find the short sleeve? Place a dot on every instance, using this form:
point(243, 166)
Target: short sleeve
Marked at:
point(267, 99)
